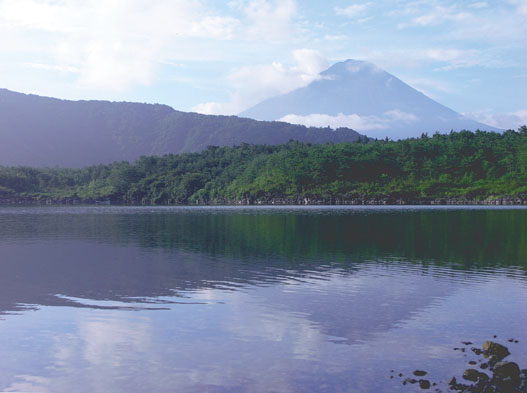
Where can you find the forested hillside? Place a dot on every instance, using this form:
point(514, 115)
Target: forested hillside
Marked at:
point(464, 165)
point(40, 131)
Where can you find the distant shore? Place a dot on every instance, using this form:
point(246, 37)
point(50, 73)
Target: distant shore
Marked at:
point(286, 201)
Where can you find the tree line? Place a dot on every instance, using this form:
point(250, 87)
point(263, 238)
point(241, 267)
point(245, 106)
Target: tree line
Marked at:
point(468, 165)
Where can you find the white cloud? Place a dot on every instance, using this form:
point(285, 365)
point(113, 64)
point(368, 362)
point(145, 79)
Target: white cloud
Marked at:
point(440, 58)
point(353, 10)
point(218, 108)
point(43, 15)
point(521, 6)
point(52, 67)
point(479, 4)
point(362, 66)
point(509, 120)
point(253, 84)
point(309, 63)
point(502, 24)
point(354, 121)
point(430, 86)
point(118, 44)
point(336, 37)
point(449, 58)
point(441, 15)
point(456, 58)
point(113, 44)
point(266, 19)
point(435, 16)
point(398, 115)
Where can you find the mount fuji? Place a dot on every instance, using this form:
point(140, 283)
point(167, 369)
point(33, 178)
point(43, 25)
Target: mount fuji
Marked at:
point(361, 96)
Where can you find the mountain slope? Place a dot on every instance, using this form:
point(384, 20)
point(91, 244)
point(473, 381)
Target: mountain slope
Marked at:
point(42, 131)
point(370, 100)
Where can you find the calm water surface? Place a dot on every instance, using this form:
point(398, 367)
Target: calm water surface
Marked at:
point(118, 299)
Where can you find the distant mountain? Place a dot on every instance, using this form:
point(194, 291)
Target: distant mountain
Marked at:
point(41, 131)
point(362, 96)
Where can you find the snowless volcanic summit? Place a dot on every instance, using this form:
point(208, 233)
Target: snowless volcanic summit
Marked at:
point(359, 95)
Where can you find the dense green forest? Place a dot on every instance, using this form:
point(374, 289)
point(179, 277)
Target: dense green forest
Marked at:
point(461, 165)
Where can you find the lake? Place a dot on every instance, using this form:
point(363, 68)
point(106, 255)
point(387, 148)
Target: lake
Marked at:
point(256, 299)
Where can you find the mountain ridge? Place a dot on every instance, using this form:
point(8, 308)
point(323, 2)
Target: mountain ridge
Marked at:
point(45, 131)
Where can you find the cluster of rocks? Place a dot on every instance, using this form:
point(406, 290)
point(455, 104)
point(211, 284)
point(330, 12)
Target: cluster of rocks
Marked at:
point(19, 200)
point(423, 383)
point(364, 201)
point(495, 375)
point(28, 201)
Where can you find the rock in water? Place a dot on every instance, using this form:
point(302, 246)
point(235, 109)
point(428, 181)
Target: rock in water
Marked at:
point(474, 375)
point(507, 370)
point(409, 380)
point(419, 373)
point(424, 384)
point(491, 348)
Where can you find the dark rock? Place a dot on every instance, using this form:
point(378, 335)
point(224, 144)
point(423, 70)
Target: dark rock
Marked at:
point(507, 370)
point(507, 385)
point(472, 362)
point(466, 342)
point(424, 384)
point(491, 348)
point(477, 351)
point(453, 381)
point(493, 359)
point(487, 389)
point(419, 373)
point(409, 380)
point(474, 375)
point(483, 366)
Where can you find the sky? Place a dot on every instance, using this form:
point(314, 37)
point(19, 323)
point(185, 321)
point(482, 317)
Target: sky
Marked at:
point(221, 57)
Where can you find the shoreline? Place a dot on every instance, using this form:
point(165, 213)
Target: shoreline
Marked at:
point(497, 201)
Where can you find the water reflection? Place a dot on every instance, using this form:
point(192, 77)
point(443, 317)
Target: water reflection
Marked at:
point(124, 253)
point(451, 236)
point(230, 300)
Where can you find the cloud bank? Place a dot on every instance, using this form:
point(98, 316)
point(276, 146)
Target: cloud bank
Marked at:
point(118, 44)
point(354, 121)
point(256, 83)
point(509, 120)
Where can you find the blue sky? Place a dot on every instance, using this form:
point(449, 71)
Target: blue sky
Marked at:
point(224, 56)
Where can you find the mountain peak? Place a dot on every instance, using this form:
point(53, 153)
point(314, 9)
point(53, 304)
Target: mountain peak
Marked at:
point(352, 67)
point(359, 95)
